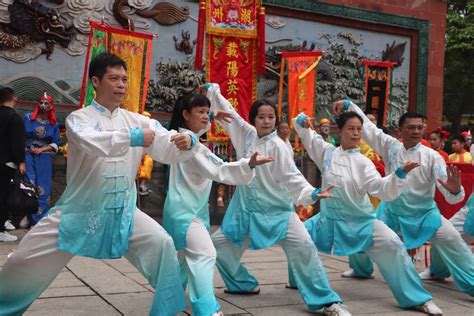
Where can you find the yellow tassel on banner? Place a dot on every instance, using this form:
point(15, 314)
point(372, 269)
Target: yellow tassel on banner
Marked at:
point(310, 68)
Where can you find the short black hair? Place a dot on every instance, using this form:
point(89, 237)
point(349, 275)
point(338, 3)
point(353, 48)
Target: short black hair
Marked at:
point(408, 115)
point(254, 110)
point(100, 63)
point(6, 94)
point(344, 117)
point(186, 102)
point(437, 132)
point(459, 138)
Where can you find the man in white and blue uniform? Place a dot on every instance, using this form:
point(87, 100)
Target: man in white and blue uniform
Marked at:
point(97, 216)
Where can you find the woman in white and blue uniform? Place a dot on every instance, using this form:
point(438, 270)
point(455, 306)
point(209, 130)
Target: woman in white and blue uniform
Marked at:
point(262, 214)
point(347, 223)
point(186, 210)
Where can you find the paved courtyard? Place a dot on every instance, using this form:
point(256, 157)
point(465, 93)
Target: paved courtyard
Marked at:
point(115, 287)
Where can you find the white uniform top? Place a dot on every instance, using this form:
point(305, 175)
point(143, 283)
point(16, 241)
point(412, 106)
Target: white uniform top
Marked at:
point(345, 223)
point(190, 184)
point(261, 210)
point(99, 202)
point(414, 213)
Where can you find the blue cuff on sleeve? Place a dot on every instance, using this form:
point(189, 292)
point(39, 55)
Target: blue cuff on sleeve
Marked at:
point(193, 140)
point(211, 116)
point(314, 194)
point(301, 118)
point(402, 174)
point(346, 104)
point(207, 86)
point(136, 137)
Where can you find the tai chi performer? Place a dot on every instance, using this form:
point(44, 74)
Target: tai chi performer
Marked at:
point(262, 214)
point(186, 210)
point(97, 215)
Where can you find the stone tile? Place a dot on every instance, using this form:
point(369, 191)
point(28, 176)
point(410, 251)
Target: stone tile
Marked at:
point(274, 276)
point(230, 309)
point(136, 304)
point(267, 265)
point(389, 305)
point(355, 290)
point(103, 278)
point(277, 265)
point(67, 291)
point(264, 255)
point(227, 308)
point(137, 277)
point(335, 264)
point(122, 265)
point(71, 306)
point(270, 295)
point(298, 309)
point(66, 279)
point(453, 296)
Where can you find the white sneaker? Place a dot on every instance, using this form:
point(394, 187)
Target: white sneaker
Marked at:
point(351, 274)
point(430, 308)
point(336, 309)
point(219, 313)
point(25, 222)
point(4, 236)
point(427, 275)
point(9, 225)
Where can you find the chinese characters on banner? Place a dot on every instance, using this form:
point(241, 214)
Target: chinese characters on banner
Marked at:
point(301, 81)
point(233, 41)
point(377, 88)
point(231, 64)
point(134, 48)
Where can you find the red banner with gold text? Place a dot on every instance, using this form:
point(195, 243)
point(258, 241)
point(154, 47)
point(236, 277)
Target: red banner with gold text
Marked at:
point(230, 62)
point(301, 92)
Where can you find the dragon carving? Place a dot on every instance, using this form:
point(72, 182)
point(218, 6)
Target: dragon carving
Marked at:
point(34, 22)
point(394, 53)
point(185, 45)
point(164, 13)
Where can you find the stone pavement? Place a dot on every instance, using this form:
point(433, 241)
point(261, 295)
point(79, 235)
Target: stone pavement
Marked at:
point(115, 287)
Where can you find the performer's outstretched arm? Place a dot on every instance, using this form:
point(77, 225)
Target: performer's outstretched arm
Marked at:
point(212, 167)
point(239, 130)
point(314, 144)
point(287, 174)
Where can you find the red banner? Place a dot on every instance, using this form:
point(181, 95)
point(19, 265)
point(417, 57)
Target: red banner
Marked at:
point(232, 17)
point(134, 48)
point(230, 62)
point(301, 91)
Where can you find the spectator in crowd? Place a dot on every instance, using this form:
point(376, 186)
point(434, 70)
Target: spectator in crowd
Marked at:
point(284, 132)
point(437, 139)
point(12, 155)
point(324, 131)
point(460, 154)
point(42, 143)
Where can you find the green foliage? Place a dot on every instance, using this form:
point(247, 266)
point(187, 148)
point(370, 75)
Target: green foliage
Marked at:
point(459, 67)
